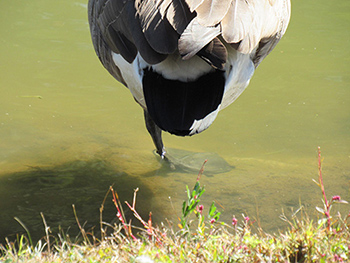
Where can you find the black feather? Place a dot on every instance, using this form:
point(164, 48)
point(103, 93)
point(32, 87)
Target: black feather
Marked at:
point(175, 105)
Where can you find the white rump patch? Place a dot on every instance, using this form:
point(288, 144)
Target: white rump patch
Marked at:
point(175, 68)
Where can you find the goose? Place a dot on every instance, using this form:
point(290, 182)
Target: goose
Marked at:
point(184, 60)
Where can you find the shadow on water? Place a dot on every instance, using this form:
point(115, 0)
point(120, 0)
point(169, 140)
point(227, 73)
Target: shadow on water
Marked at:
point(53, 190)
point(192, 162)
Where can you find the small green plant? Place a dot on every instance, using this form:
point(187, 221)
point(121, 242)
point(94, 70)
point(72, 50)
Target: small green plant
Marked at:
point(213, 215)
point(191, 205)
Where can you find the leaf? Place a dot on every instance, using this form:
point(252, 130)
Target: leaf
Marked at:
point(320, 210)
point(201, 192)
point(212, 209)
point(184, 209)
point(196, 187)
point(217, 216)
point(316, 182)
point(341, 202)
point(194, 193)
point(321, 222)
point(188, 193)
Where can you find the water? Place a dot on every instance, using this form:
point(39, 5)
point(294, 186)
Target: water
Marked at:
point(68, 130)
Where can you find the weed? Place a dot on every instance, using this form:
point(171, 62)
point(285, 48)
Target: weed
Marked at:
point(327, 204)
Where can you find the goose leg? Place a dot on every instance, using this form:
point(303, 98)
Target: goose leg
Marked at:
point(156, 134)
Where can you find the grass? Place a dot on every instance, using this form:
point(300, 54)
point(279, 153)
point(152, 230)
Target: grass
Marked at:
point(196, 238)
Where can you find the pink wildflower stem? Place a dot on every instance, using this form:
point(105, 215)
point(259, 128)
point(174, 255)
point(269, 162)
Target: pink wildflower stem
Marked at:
point(322, 187)
point(120, 215)
point(147, 226)
point(201, 170)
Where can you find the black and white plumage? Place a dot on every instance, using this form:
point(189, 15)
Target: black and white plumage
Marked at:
point(185, 60)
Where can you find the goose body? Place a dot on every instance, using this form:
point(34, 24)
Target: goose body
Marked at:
point(185, 60)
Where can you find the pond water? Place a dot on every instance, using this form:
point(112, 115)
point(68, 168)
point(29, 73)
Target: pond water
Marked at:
point(68, 130)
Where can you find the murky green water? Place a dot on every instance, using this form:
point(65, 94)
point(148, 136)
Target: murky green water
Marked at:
point(68, 130)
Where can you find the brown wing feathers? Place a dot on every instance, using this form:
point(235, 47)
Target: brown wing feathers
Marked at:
point(245, 24)
point(159, 33)
point(237, 21)
point(179, 15)
point(147, 51)
point(113, 22)
point(233, 19)
point(156, 28)
point(210, 13)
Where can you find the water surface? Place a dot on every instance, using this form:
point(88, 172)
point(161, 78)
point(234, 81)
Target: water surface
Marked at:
point(68, 130)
